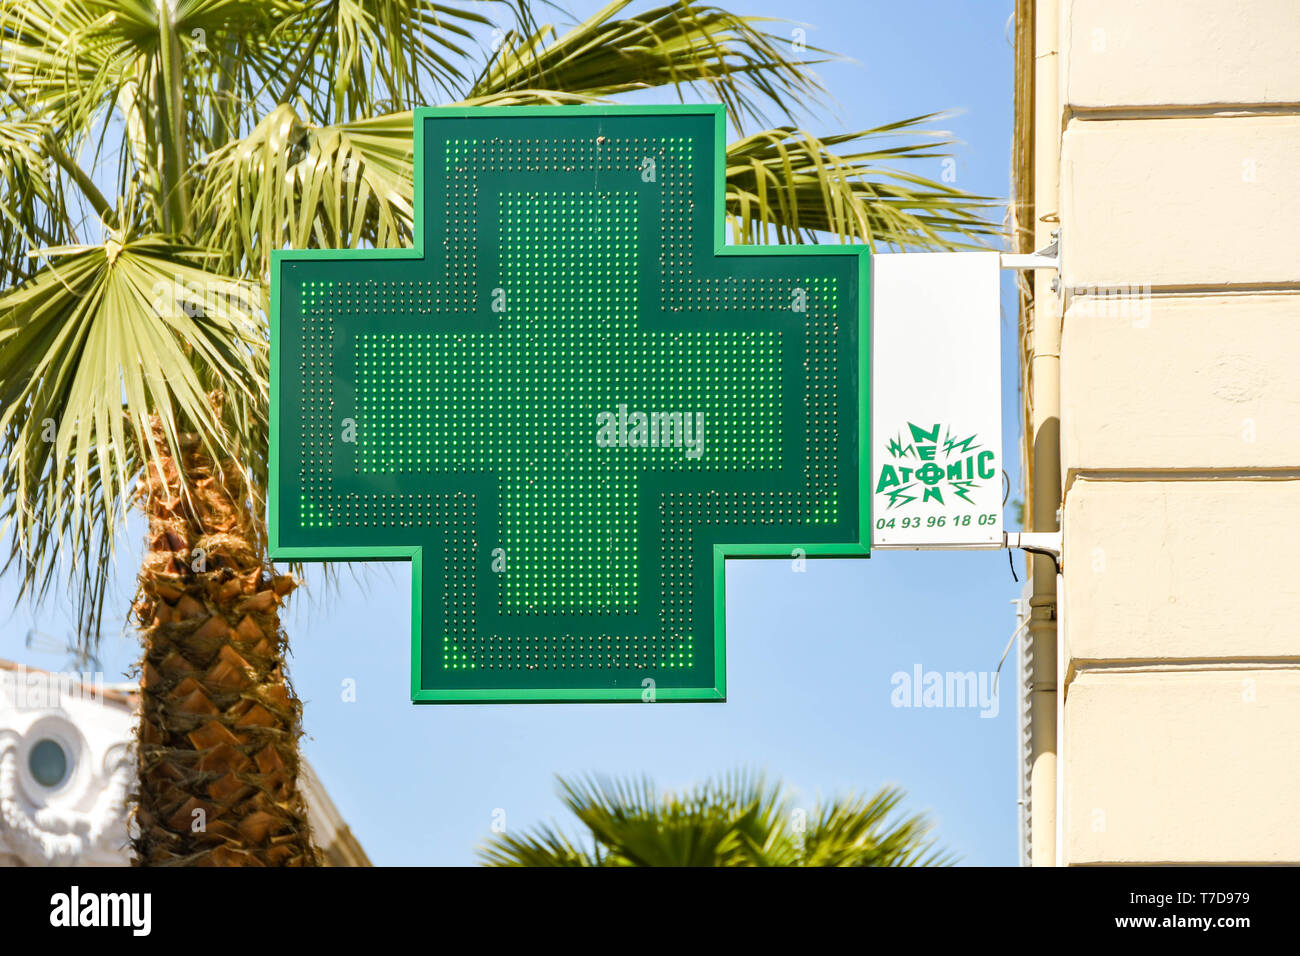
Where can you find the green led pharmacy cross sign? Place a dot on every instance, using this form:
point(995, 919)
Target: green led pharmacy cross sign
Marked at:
point(569, 404)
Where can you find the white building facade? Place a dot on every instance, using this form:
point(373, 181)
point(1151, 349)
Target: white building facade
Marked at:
point(67, 766)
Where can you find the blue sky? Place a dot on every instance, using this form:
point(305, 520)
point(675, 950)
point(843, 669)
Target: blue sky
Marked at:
point(810, 656)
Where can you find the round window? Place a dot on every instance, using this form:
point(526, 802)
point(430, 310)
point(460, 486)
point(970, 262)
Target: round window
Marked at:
point(48, 763)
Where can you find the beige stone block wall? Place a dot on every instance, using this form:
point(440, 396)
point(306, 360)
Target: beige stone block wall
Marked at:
point(1181, 381)
point(1181, 569)
point(1180, 419)
point(1123, 53)
point(1183, 766)
point(1205, 201)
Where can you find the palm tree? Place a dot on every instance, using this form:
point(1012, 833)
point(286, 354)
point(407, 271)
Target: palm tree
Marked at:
point(133, 336)
point(740, 820)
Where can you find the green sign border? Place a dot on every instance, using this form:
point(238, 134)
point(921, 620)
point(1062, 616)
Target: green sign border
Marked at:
point(721, 552)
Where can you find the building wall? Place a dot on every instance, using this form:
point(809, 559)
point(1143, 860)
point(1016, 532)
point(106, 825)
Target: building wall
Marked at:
point(1180, 430)
point(82, 820)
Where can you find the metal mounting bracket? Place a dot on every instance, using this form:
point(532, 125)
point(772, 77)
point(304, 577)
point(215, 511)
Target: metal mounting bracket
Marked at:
point(1037, 542)
point(1046, 258)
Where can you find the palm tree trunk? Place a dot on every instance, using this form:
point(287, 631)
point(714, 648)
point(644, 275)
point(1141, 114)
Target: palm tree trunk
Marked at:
point(219, 724)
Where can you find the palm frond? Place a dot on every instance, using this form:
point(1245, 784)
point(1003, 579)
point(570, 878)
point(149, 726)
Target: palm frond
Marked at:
point(290, 184)
point(348, 58)
point(61, 61)
point(738, 820)
point(788, 185)
point(637, 826)
point(33, 212)
point(72, 63)
point(99, 340)
point(679, 44)
point(542, 846)
point(862, 831)
point(531, 98)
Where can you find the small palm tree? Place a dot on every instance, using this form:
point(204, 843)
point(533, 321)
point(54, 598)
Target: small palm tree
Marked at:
point(133, 329)
point(740, 820)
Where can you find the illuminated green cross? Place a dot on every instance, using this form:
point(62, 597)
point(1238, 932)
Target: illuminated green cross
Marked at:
point(568, 402)
point(571, 408)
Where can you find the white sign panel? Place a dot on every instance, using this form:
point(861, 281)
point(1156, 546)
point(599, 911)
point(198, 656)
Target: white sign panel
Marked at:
point(936, 401)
